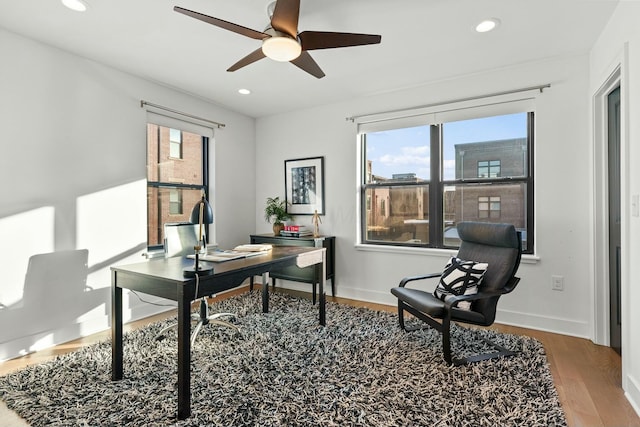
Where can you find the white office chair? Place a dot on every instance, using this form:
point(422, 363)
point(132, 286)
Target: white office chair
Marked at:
point(180, 239)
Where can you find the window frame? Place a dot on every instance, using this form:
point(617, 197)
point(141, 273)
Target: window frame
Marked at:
point(436, 188)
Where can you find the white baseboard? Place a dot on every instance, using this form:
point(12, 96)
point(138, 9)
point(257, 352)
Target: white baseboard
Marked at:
point(556, 325)
point(632, 393)
point(552, 324)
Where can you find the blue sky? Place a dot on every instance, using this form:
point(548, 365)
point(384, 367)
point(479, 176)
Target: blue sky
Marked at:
point(407, 150)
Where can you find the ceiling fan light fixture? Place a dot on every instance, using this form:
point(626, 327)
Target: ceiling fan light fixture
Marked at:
point(488, 25)
point(77, 5)
point(281, 49)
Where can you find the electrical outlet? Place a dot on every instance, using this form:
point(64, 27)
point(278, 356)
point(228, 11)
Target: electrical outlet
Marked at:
point(557, 283)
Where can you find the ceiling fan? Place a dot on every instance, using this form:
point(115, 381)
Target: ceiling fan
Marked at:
point(281, 40)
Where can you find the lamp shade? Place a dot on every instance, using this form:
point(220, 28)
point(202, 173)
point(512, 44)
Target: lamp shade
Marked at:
point(207, 213)
point(281, 48)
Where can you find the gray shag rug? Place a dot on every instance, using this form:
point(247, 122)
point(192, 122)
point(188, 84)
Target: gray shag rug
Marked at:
point(286, 370)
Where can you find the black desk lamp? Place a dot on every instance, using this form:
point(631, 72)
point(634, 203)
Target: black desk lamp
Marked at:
point(201, 214)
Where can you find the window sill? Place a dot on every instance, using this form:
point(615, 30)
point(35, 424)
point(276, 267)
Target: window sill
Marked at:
point(526, 259)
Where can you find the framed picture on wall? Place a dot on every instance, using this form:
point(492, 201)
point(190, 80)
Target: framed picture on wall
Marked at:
point(304, 185)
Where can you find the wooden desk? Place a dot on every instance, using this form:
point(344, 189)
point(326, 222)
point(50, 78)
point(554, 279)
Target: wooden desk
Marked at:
point(163, 277)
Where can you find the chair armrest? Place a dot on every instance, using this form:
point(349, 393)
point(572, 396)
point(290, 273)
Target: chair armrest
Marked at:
point(511, 285)
point(406, 280)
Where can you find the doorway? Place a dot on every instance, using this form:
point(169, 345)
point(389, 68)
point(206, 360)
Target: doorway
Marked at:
point(615, 213)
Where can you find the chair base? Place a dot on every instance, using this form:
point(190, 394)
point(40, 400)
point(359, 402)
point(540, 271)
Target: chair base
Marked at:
point(502, 352)
point(203, 318)
point(444, 329)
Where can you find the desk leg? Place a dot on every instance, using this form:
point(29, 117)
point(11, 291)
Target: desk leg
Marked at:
point(116, 329)
point(265, 292)
point(322, 296)
point(184, 355)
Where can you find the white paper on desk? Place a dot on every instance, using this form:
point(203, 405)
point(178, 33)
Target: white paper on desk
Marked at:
point(222, 256)
point(255, 247)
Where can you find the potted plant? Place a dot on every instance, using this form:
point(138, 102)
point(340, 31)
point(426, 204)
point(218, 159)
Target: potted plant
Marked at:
point(276, 211)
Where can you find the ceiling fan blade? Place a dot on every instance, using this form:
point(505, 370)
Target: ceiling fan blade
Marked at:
point(249, 59)
point(311, 40)
point(306, 63)
point(285, 17)
point(239, 29)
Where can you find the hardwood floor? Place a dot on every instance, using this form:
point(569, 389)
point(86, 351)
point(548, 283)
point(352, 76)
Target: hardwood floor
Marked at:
point(587, 376)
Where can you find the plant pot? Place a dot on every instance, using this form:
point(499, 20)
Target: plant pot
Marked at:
point(277, 228)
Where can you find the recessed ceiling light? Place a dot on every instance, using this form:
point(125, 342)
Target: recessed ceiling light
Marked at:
point(487, 25)
point(244, 91)
point(77, 5)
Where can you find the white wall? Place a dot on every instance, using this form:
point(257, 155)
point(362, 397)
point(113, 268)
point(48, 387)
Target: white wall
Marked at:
point(73, 171)
point(619, 44)
point(562, 194)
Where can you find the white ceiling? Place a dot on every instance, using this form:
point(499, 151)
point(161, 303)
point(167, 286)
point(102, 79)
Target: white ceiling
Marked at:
point(422, 41)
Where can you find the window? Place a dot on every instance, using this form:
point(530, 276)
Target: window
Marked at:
point(175, 143)
point(175, 202)
point(419, 181)
point(489, 169)
point(174, 183)
point(488, 207)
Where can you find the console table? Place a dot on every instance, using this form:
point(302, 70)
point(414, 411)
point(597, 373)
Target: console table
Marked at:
point(163, 277)
point(302, 275)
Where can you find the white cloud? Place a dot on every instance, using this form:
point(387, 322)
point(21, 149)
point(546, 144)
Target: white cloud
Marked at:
point(416, 151)
point(408, 156)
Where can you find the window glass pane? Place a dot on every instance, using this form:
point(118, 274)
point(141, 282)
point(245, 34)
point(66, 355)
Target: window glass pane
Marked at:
point(165, 166)
point(503, 202)
point(175, 178)
point(175, 143)
point(175, 135)
point(398, 154)
point(398, 214)
point(490, 147)
point(175, 150)
point(161, 203)
point(175, 202)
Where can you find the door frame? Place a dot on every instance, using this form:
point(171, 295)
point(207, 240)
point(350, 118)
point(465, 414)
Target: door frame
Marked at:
point(600, 296)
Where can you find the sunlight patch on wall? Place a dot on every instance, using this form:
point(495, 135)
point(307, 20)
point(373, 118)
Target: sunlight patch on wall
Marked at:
point(23, 235)
point(110, 223)
point(98, 312)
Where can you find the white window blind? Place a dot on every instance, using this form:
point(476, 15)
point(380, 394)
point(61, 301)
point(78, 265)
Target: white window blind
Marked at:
point(447, 112)
point(165, 119)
